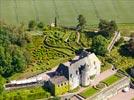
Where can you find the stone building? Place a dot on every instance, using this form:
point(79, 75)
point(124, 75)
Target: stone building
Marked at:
point(81, 70)
point(58, 85)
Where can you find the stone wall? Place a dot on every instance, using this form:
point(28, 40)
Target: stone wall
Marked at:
point(17, 86)
point(112, 90)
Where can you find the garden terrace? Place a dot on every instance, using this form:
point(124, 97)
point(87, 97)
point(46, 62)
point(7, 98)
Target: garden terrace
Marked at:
point(54, 46)
point(91, 91)
point(112, 79)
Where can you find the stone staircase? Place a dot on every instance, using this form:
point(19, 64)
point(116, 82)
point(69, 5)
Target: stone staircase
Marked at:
point(115, 39)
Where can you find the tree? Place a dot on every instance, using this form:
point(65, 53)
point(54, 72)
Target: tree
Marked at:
point(119, 42)
point(55, 21)
point(131, 47)
point(5, 62)
point(31, 24)
point(128, 48)
point(1, 84)
point(107, 28)
point(12, 58)
point(81, 22)
point(18, 61)
point(40, 25)
point(99, 45)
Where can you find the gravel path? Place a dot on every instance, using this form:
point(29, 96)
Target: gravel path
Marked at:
point(103, 76)
point(78, 38)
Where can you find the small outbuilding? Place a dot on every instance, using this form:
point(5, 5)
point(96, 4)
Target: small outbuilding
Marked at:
point(58, 85)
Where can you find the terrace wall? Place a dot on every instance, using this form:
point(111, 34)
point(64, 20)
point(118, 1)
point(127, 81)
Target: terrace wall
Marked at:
point(111, 90)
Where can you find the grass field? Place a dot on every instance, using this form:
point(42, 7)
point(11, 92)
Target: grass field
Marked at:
point(112, 79)
point(17, 11)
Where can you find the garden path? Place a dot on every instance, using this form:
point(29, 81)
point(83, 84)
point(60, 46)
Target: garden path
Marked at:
point(103, 76)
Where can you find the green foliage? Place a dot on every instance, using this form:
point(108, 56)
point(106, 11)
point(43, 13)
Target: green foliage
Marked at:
point(119, 42)
point(81, 22)
point(99, 45)
point(32, 93)
point(31, 24)
point(107, 28)
point(1, 84)
point(112, 79)
point(128, 48)
point(89, 92)
point(40, 25)
point(131, 46)
point(12, 59)
point(18, 61)
point(105, 66)
point(121, 61)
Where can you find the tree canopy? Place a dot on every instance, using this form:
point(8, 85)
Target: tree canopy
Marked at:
point(99, 45)
point(81, 22)
point(40, 25)
point(12, 55)
point(131, 46)
point(31, 24)
point(1, 84)
point(107, 28)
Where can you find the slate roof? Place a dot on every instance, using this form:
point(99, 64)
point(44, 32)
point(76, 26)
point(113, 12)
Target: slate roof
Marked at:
point(77, 64)
point(58, 79)
point(63, 70)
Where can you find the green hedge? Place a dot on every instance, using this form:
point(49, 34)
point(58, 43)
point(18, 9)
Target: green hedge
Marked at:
point(25, 94)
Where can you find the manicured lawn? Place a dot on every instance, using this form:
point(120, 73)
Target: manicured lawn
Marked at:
point(112, 79)
point(89, 92)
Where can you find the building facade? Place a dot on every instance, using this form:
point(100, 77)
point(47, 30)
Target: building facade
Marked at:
point(80, 70)
point(58, 85)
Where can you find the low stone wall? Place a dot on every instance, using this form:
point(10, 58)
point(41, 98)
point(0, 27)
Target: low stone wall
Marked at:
point(115, 39)
point(17, 86)
point(112, 90)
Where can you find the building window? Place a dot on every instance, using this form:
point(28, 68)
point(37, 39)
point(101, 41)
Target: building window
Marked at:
point(71, 75)
point(88, 78)
point(76, 72)
point(61, 84)
point(65, 83)
point(94, 63)
point(95, 67)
